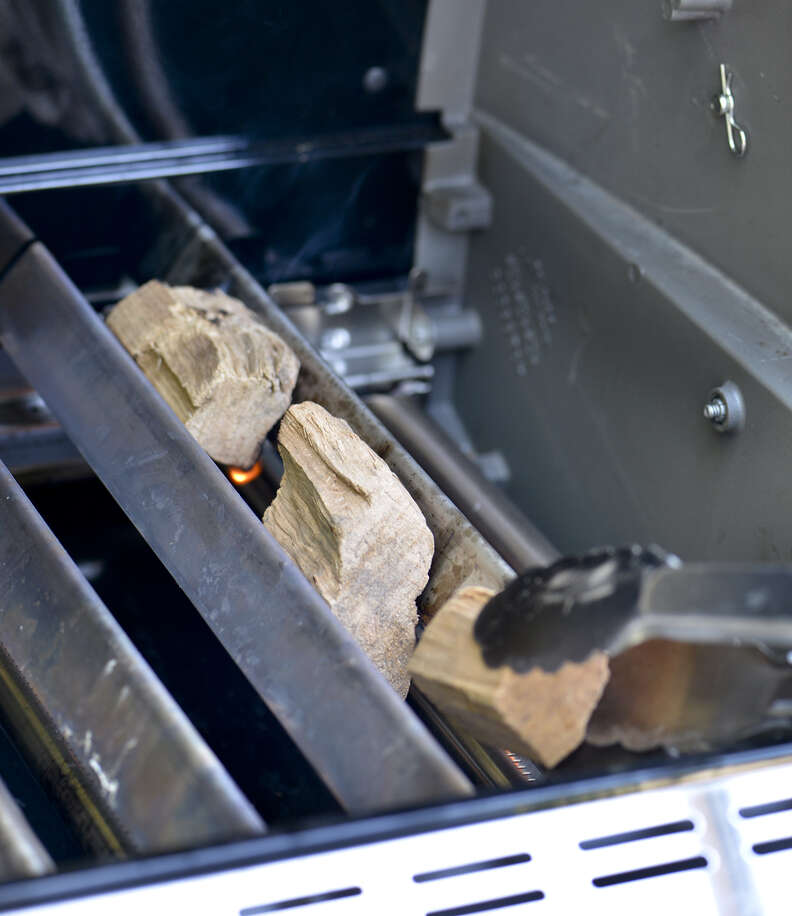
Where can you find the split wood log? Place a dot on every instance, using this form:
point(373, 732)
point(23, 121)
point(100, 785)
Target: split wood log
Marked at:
point(536, 713)
point(355, 532)
point(227, 377)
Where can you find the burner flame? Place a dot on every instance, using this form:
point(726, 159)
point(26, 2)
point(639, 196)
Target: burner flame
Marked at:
point(240, 476)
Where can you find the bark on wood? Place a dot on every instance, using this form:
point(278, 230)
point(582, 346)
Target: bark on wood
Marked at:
point(355, 532)
point(538, 714)
point(227, 377)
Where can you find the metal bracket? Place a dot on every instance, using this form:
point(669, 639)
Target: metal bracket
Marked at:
point(723, 106)
point(376, 338)
point(682, 10)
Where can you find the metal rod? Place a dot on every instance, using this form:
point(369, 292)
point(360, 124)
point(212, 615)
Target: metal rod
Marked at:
point(370, 749)
point(174, 158)
point(515, 538)
point(109, 739)
point(22, 854)
point(115, 156)
point(14, 236)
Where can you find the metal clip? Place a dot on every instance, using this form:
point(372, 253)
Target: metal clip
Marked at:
point(681, 10)
point(724, 107)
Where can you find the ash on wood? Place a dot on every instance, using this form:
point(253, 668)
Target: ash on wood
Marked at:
point(355, 532)
point(538, 714)
point(226, 376)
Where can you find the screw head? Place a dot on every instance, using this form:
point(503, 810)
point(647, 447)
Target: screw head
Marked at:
point(375, 79)
point(336, 339)
point(340, 299)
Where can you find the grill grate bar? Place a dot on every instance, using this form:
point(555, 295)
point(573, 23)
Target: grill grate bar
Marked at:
point(198, 156)
point(370, 749)
point(113, 745)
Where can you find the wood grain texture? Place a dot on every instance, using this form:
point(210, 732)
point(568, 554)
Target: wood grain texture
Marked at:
point(538, 714)
point(227, 377)
point(355, 532)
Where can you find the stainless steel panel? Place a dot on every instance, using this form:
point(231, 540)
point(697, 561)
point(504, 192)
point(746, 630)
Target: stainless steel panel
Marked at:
point(717, 843)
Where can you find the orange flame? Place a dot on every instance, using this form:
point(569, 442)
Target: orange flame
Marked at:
point(240, 476)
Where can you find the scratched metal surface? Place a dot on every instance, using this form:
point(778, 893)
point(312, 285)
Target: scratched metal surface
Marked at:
point(624, 97)
point(112, 743)
point(633, 264)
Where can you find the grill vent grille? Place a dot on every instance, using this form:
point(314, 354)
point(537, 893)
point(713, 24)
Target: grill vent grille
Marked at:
point(701, 846)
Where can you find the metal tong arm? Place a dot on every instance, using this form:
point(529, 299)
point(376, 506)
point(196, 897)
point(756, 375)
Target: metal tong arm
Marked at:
point(714, 603)
point(610, 601)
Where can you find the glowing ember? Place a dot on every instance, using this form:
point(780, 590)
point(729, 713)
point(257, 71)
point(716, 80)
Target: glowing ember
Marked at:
point(239, 476)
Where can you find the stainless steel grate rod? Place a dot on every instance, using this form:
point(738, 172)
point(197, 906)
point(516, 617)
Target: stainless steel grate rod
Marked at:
point(111, 742)
point(368, 746)
point(22, 854)
point(198, 156)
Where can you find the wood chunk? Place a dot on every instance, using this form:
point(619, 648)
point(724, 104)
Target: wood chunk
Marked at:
point(355, 532)
point(538, 714)
point(685, 696)
point(227, 377)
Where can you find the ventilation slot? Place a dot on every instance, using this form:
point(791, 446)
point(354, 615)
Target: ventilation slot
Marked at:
point(651, 871)
point(300, 901)
point(645, 833)
point(762, 849)
point(487, 905)
point(504, 862)
point(770, 808)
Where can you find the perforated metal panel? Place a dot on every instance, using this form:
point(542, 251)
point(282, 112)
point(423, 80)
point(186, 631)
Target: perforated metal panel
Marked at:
point(713, 847)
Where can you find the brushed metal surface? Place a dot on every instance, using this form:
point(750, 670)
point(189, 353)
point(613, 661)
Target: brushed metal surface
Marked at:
point(110, 741)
